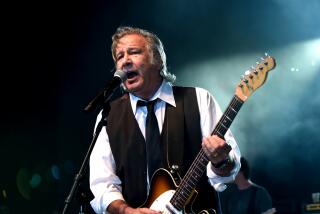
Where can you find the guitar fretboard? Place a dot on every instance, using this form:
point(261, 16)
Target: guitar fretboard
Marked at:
point(199, 165)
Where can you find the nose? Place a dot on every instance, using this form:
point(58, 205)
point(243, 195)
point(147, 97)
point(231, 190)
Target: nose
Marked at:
point(127, 63)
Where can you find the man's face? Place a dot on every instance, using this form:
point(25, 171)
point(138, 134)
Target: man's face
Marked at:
point(134, 57)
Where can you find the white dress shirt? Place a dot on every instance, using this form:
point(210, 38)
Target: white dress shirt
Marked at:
point(106, 185)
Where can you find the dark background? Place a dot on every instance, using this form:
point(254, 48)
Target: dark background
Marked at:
point(56, 57)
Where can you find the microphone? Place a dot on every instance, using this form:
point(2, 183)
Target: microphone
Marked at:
point(105, 94)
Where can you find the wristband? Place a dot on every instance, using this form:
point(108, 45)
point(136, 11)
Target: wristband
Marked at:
point(221, 164)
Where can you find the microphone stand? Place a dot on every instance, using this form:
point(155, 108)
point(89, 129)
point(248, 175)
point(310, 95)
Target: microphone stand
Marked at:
point(80, 174)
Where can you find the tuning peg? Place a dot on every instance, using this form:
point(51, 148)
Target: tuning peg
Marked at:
point(244, 79)
point(247, 72)
point(254, 70)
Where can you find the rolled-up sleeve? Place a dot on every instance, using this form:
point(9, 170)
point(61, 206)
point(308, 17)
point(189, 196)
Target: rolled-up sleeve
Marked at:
point(104, 183)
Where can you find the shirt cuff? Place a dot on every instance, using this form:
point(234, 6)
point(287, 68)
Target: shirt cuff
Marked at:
point(100, 205)
point(217, 181)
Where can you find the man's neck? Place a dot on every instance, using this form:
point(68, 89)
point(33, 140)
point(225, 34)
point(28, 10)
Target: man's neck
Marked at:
point(243, 184)
point(149, 94)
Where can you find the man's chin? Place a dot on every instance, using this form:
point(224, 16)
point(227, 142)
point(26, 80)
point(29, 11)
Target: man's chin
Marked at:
point(132, 87)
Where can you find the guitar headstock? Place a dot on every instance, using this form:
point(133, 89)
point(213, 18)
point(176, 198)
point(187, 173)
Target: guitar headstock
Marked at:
point(255, 77)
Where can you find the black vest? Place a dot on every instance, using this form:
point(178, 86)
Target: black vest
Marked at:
point(181, 126)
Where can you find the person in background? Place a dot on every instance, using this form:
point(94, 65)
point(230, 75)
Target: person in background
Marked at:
point(245, 197)
point(124, 158)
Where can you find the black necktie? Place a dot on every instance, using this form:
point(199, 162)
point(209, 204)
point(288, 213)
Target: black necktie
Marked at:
point(152, 138)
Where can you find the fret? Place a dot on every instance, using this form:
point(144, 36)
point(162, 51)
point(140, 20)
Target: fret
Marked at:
point(186, 190)
point(180, 203)
point(177, 204)
point(190, 181)
point(188, 186)
point(203, 163)
point(231, 114)
point(196, 176)
point(238, 99)
point(194, 180)
point(202, 159)
point(183, 196)
point(228, 118)
point(197, 172)
point(227, 123)
point(233, 110)
point(220, 134)
point(223, 127)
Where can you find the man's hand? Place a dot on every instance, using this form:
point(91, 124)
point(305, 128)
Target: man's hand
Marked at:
point(121, 207)
point(217, 150)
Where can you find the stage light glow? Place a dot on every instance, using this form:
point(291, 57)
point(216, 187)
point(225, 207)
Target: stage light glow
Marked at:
point(35, 180)
point(315, 48)
point(4, 194)
point(55, 172)
point(23, 185)
point(312, 50)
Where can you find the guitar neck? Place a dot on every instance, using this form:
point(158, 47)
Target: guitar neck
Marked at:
point(198, 167)
point(228, 116)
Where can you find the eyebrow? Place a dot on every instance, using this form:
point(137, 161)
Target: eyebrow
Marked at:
point(135, 49)
point(129, 49)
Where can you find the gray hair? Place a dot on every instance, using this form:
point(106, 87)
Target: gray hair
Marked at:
point(154, 44)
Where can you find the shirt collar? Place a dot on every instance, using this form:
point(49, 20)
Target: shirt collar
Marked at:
point(164, 93)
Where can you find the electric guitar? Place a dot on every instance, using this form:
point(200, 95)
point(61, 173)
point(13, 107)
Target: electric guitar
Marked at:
point(168, 197)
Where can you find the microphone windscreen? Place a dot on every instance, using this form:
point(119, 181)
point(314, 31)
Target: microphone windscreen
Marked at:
point(121, 74)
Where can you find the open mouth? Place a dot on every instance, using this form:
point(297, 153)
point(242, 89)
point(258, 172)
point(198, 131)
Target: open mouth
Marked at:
point(131, 74)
